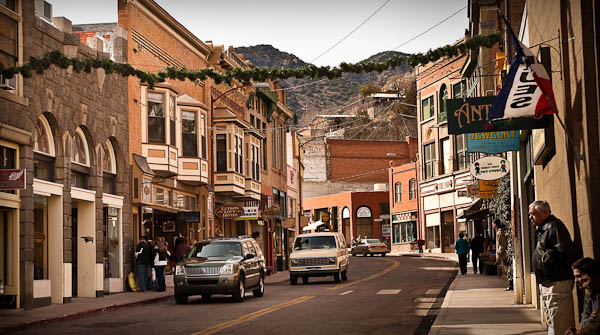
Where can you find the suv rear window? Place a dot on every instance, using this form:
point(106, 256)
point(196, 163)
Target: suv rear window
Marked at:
point(315, 242)
point(216, 250)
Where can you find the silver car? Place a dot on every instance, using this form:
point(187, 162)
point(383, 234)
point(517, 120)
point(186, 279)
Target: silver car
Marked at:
point(370, 246)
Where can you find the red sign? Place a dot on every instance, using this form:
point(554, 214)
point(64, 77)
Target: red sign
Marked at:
point(12, 179)
point(229, 211)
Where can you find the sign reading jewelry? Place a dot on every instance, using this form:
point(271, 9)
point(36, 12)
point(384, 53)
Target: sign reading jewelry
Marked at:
point(490, 168)
point(229, 211)
point(493, 142)
point(470, 115)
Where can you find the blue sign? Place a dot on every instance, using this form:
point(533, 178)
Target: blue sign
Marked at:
point(493, 142)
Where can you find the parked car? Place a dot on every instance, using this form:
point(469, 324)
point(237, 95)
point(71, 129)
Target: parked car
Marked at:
point(370, 246)
point(226, 265)
point(319, 255)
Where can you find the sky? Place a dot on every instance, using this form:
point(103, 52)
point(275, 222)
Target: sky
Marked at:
point(305, 28)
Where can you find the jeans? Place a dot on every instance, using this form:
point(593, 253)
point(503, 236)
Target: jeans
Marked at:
point(557, 304)
point(141, 271)
point(160, 277)
point(476, 260)
point(462, 261)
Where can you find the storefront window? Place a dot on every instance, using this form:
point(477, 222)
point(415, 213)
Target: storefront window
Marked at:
point(4, 246)
point(40, 237)
point(433, 237)
point(112, 252)
point(404, 232)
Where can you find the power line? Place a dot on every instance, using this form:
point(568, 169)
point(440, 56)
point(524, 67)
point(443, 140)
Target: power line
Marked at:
point(350, 33)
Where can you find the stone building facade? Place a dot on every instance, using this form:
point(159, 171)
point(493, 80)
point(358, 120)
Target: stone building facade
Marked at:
point(69, 229)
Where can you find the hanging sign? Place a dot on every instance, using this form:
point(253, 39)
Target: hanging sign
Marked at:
point(488, 189)
point(470, 115)
point(12, 179)
point(489, 168)
point(250, 213)
point(473, 190)
point(363, 212)
point(229, 211)
point(493, 142)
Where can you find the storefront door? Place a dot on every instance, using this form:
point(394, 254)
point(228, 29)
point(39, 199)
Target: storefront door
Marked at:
point(448, 231)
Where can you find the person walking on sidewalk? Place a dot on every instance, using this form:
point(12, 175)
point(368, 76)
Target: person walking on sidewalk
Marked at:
point(502, 258)
point(462, 249)
point(587, 277)
point(143, 261)
point(161, 255)
point(476, 250)
point(551, 261)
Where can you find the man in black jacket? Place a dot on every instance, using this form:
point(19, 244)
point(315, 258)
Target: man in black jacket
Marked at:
point(552, 258)
point(143, 262)
point(476, 249)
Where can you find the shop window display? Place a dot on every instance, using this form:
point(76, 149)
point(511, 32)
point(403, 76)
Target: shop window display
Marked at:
point(40, 238)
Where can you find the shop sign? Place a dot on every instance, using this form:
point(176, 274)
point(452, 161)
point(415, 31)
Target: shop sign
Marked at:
point(363, 212)
point(462, 193)
point(250, 213)
point(488, 189)
point(189, 217)
point(489, 168)
point(229, 211)
point(493, 142)
point(470, 115)
point(13, 179)
point(473, 190)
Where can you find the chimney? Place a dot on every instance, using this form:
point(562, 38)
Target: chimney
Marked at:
point(63, 24)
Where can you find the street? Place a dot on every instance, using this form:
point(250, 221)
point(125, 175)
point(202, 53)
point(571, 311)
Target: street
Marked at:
point(390, 294)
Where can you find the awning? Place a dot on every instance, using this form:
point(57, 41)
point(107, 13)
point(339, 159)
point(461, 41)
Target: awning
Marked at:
point(475, 212)
point(313, 226)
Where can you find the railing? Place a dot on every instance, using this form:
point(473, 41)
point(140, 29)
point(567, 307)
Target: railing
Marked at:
point(228, 102)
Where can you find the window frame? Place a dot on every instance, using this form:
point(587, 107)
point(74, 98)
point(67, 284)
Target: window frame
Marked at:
point(429, 161)
point(445, 167)
point(15, 14)
point(221, 153)
point(397, 192)
point(187, 136)
point(432, 110)
point(412, 189)
point(149, 131)
point(109, 177)
point(461, 155)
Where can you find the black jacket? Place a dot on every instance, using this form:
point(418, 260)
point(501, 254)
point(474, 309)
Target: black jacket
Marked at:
point(554, 252)
point(477, 245)
point(145, 257)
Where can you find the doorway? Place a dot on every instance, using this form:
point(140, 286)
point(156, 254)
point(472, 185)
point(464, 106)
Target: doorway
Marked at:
point(448, 231)
point(74, 250)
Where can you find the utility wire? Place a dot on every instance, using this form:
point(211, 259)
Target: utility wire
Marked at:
point(350, 33)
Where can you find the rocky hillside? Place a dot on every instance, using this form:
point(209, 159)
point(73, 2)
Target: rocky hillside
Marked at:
point(325, 96)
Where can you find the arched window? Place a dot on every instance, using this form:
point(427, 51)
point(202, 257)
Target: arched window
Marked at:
point(412, 189)
point(43, 149)
point(398, 192)
point(80, 160)
point(109, 168)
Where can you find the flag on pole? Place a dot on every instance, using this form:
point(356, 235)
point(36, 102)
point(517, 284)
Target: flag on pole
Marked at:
point(527, 90)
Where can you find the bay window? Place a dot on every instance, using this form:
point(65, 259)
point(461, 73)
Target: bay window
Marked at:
point(156, 117)
point(203, 135)
point(221, 153)
point(189, 139)
point(239, 155)
point(172, 120)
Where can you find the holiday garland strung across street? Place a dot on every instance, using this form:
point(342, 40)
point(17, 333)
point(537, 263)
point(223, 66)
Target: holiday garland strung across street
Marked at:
point(40, 65)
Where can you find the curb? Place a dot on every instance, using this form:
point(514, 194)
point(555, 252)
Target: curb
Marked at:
point(441, 317)
point(79, 315)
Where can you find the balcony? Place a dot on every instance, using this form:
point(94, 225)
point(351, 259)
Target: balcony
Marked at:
point(162, 158)
point(252, 189)
point(193, 171)
point(230, 184)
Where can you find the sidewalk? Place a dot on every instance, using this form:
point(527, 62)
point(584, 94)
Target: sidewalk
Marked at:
point(15, 319)
point(277, 277)
point(478, 304)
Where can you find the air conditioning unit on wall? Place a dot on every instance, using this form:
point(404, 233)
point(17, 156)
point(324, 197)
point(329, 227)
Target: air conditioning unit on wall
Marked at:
point(43, 9)
point(8, 84)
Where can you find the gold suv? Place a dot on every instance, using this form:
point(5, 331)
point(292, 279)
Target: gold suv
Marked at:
point(319, 255)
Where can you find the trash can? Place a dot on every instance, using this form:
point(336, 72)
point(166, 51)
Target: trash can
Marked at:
point(279, 263)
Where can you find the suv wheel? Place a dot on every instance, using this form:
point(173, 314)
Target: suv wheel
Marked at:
point(293, 279)
point(305, 280)
point(181, 298)
point(260, 290)
point(365, 253)
point(345, 275)
point(240, 291)
point(336, 277)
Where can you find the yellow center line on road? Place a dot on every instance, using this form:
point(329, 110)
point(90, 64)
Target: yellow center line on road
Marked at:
point(224, 325)
point(379, 274)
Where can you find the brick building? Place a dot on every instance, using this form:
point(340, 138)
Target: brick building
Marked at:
point(355, 214)
point(403, 198)
point(68, 232)
point(340, 165)
point(443, 158)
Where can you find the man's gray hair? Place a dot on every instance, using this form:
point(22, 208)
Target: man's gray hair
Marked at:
point(541, 204)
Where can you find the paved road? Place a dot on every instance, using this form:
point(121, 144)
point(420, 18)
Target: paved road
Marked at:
point(382, 295)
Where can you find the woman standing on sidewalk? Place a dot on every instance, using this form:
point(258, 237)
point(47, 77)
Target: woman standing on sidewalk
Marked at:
point(462, 249)
point(161, 254)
